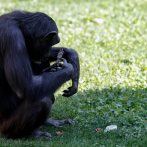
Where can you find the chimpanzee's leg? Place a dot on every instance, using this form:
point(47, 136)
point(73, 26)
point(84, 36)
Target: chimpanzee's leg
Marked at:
point(59, 123)
point(26, 119)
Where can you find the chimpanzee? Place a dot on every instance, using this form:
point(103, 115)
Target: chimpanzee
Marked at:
point(27, 93)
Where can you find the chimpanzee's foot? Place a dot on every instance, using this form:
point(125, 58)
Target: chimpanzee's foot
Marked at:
point(37, 134)
point(59, 123)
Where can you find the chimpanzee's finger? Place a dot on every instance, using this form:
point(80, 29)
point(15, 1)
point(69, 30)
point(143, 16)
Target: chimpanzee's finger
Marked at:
point(69, 87)
point(67, 94)
point(60, 64)
point(65, 91)
point(64, 60)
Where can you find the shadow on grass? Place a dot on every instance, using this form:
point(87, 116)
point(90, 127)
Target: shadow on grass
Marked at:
point(91, 109)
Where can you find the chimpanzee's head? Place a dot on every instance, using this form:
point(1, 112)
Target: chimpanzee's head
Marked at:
point(41, 33)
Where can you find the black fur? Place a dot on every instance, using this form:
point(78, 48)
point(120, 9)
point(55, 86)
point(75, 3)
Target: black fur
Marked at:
point(27, 94)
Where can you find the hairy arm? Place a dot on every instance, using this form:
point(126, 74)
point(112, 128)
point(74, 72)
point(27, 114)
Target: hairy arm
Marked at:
point(18, 71)
point(72, 57)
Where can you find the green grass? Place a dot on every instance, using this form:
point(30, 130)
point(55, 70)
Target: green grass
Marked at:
point(111, 39)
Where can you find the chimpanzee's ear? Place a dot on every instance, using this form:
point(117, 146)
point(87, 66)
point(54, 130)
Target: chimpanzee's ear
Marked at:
point(50, 35)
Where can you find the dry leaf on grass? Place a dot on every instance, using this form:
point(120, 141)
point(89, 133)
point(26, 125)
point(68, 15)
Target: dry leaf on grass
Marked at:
point(98, 130)
point(59, 132)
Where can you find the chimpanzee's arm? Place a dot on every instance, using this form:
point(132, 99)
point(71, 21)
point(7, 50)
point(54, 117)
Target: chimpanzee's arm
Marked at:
point(18, 71)
point(72, 57)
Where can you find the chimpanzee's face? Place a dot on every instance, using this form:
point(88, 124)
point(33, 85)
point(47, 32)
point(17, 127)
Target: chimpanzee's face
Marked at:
point(43, 46)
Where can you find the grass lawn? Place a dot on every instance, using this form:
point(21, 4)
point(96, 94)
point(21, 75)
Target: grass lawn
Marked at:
point(111, 39)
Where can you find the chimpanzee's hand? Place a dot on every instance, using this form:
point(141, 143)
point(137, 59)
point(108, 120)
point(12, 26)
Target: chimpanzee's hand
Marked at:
point(66, 65)
point(71, 90)
point(58, 66)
